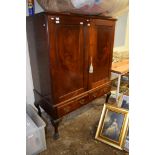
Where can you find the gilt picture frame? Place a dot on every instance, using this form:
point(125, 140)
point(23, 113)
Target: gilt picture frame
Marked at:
point(113, 125)
point(126, 144)
point(125, 102)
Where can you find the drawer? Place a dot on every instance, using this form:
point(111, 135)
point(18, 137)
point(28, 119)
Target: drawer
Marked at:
point(99, 92)
point(72, 105)
point(80, 101)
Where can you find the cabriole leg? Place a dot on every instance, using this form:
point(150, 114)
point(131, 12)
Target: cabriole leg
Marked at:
point(55, 124)
point(107, 98)
point(38, 108)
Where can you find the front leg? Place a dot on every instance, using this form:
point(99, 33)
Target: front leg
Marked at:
point(38, 108)
point(55, 124)
point(107, 98)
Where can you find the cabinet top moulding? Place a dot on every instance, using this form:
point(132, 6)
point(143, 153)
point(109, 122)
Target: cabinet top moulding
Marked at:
point(78, 15)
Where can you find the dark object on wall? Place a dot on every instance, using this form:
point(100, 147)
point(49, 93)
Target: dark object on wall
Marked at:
point(71, 60)
point(31, 8)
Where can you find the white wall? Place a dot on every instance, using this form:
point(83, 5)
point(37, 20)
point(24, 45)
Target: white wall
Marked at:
point(29, 83)
point(121, 42)
point(120, 30)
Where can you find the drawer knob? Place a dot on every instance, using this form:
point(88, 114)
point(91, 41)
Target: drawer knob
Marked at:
point(82, 101)
point(95, 95)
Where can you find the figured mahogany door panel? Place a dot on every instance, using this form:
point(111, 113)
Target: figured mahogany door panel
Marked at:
point(67, 59)
point(100, 54)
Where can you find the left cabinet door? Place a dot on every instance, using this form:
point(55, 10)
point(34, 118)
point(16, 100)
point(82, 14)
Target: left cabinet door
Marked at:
point(67, 60)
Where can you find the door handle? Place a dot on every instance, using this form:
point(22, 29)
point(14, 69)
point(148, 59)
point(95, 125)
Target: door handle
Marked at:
point(91, 67)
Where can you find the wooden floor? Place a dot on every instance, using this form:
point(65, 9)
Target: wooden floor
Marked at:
point(77, 132)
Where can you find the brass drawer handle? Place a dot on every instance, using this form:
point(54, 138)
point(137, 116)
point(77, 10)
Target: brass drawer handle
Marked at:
point(82, 101)
point(67, 109)
point(95, 95)
point(106, 89)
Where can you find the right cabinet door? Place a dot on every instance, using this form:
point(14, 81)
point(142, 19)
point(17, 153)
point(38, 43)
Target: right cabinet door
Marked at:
point(101, 38)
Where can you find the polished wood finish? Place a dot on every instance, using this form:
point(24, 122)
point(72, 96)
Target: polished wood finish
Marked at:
point(66, 42)
point(62, 48)
point(100, 51)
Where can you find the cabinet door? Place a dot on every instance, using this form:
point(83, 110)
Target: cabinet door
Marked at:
point(66, 41)
point(101, 38)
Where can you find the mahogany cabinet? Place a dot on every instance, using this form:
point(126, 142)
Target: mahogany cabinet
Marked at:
point(70, 58)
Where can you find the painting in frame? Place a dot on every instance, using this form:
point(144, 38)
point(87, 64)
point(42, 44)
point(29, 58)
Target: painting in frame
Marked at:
point(124, 102)
point(126, 145)
point(113, 125)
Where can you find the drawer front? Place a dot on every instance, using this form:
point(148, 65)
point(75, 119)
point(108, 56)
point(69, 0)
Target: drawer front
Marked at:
point(80, 101)
point(99, 92)
point(71, 106)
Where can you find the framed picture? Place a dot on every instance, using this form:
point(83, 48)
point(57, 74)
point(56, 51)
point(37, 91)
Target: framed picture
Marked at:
point(124, 102)
point(113, 125)
point(126, 145)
